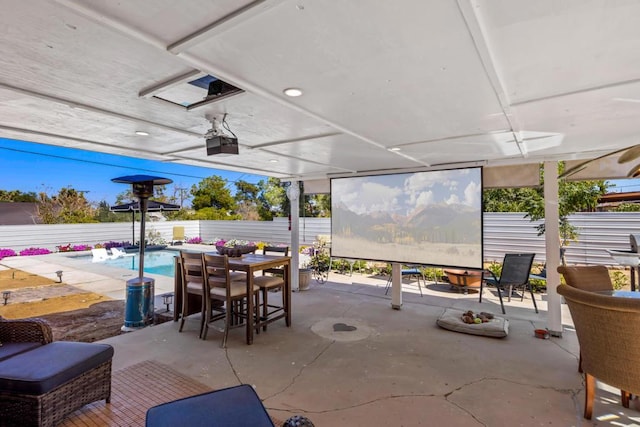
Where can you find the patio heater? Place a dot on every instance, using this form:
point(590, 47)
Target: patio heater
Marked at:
point(139, 308)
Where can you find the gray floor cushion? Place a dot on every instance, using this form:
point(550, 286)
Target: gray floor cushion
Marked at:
point(44, 368)
point(451, 319)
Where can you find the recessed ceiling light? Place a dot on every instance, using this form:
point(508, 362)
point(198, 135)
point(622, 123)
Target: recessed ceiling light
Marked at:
point(142, 133)
point(394, 149)
point(273, 161)
point(292, 92)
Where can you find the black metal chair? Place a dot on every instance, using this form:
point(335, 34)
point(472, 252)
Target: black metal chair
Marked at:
point(543, 273)
point(516, 269)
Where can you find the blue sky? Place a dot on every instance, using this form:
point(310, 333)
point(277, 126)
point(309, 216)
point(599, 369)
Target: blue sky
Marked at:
point(34, 167)
point(625, 185)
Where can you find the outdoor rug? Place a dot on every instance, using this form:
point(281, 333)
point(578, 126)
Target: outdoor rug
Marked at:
point(134, 390)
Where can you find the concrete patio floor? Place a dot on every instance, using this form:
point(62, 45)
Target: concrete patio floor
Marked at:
point(398, 368)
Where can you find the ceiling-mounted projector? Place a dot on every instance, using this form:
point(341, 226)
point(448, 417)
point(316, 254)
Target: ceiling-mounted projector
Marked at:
point(217, 142)
point(222, 144)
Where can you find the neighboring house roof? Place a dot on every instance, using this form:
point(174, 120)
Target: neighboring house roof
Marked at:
point(18, 213)
point(612, 200)
point(631, 196)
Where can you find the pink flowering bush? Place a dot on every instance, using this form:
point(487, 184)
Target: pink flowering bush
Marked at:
point(112, 244)
point(4, 253)
point(307, 250)
point(34, 251)
point(194, 240)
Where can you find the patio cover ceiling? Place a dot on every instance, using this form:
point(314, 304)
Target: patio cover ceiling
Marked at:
point(444, 84)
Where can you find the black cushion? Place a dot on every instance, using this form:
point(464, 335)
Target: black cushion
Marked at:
point(233, 406)
point(42, 369)
point(9, 349)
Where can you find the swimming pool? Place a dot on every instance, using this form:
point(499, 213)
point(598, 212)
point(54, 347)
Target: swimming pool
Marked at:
point(155, 262)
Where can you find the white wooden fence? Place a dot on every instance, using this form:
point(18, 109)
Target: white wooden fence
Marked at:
point(503, 232)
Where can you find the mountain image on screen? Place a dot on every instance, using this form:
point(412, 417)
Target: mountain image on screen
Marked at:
point(430, 218)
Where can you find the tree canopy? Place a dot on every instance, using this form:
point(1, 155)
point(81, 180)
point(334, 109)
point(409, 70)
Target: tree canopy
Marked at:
point(17, 196)
point(212, 192)
point(213, 198)
point(69, 206)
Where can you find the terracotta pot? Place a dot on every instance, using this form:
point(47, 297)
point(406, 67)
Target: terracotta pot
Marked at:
point(471, 278)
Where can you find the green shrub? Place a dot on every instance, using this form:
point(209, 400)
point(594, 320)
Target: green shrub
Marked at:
point(433, 273)
point(618, 279)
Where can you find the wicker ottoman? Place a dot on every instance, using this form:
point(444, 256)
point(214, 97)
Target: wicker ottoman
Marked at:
point(42, 386)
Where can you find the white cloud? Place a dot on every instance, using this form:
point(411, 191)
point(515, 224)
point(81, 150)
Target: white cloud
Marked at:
point(452, 200)
point(472, 194)
point(373, 197)
point(425, 198)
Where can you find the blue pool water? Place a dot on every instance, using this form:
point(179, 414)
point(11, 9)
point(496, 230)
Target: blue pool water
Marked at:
point(155, 262)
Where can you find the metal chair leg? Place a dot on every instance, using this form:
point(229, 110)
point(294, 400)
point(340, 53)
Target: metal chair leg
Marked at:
point(501, 303)
point(386, 288)
point(532, 298)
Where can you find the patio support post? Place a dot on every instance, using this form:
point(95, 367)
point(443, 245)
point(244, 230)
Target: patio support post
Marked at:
point(396, 285)
point(293, 193)
point(552, 244)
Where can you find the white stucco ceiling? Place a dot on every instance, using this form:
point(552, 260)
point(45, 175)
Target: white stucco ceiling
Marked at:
point(449, 83)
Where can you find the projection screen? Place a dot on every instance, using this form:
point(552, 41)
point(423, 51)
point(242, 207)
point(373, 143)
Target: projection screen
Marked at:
point(431, 218)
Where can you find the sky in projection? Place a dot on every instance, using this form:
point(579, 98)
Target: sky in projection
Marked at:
point(403, 193)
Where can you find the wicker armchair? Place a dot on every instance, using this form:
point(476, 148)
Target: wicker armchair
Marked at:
point(25, 330)
point(609, 343)
point(587, 277)
point(590, 278)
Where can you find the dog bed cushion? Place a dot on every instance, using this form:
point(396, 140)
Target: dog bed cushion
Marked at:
point(451, 319)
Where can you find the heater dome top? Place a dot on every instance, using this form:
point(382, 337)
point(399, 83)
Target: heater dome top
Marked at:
point(137, 179)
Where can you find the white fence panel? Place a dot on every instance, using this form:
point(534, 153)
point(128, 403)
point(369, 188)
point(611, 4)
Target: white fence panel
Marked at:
point(510, 232)
point(266, 231)
point(311, 227)
point(276, 231)
point(165, 228)
point(597, 232)
point(503, 232)
point(601, 231)
point(18, 237)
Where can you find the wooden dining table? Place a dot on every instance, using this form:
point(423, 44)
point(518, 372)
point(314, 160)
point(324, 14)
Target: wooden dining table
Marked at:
point(250, 264)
